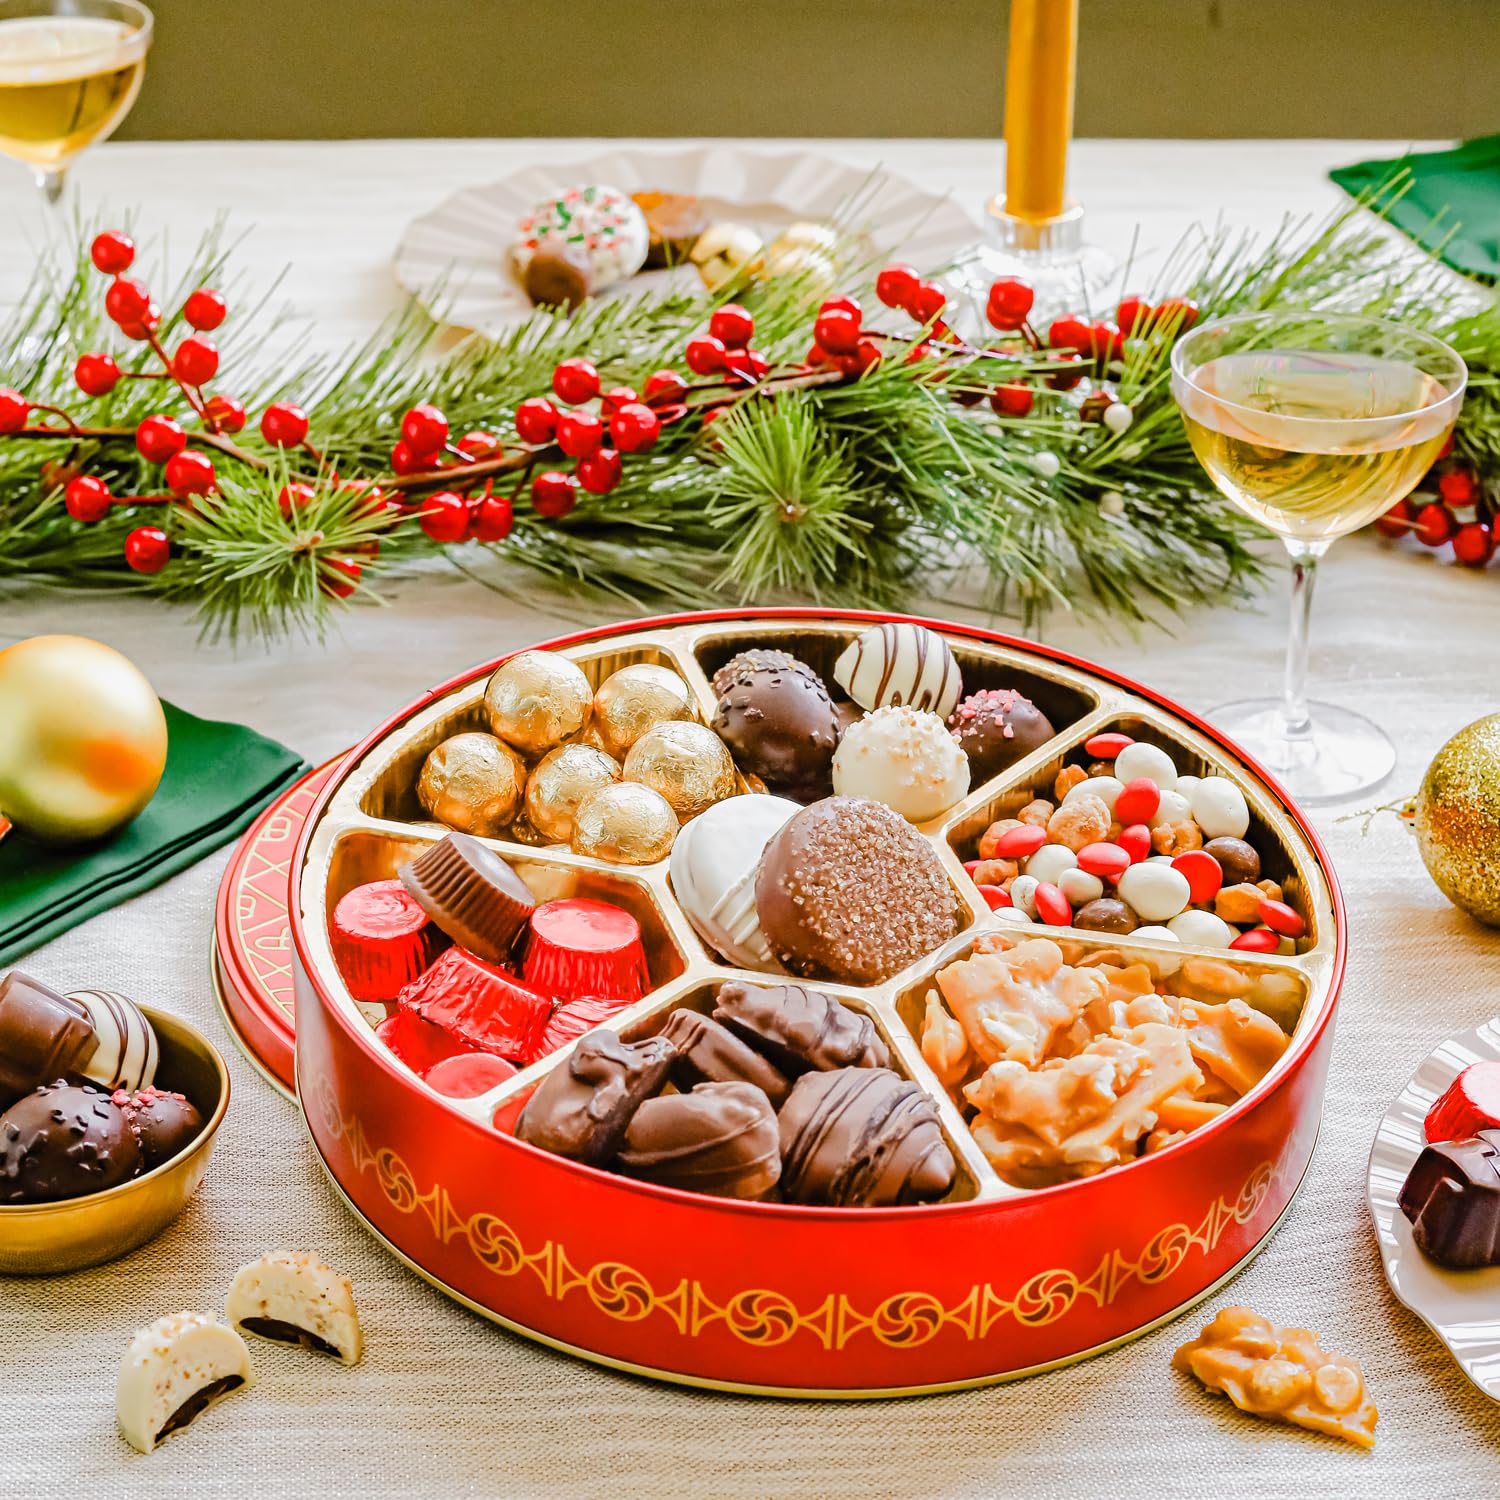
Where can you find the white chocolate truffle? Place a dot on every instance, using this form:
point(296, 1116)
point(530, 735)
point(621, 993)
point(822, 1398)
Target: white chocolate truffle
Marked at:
point(713, 869)
point(805, 235)
point(167, 1365)
point(1106, 788)
point(128, 1051)
point(817, 270)
point(1155, 892)
point(1080, 887)
point(904, 757)
point(900, 664)
point(1219, 808)
point(1142, 759)
point(722, 251)
point(603, 222)
point(1050, 862)
point(291, 1298)
point(1203, 928)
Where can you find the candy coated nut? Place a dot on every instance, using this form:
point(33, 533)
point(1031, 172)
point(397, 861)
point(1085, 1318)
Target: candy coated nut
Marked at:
point(1185, 785)
point(1257, 940)
point(1171, 839)
point(1106, 788)
point(1135, 841)
point(1138, 801)
point(1018, 842)
point(992, 836)
point(1107, 860)
point(1023, 894)
point(1037, 811)
point(994, 897)
point(1080, 887)
point(1106, 746)
point(1155, 892)
point(1203, 873)
point(970, 865)
point(1161, 934)
point(1141, 759)
point(1281, 918)
point(1013, 914)
point(1052, 906)
point(1202, 928)
point(1066, 780)
point(1219, 808)
point(1049, 862)
point(1239, 904)
point(1171, 807)
point(994, 872)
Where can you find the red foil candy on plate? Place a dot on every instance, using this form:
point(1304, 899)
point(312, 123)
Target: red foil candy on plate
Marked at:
point(579, 947)
point(1471, 1104)
point(480, 1004)
point(418, 1043)
point(381, 939)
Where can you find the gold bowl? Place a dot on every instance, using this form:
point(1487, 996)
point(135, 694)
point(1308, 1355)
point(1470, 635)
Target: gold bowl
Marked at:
point(44, 1239)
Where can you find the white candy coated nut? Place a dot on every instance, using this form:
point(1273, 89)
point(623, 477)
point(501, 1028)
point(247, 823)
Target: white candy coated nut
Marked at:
point(1023, 894)
point(1173, 808)
point(1079, 886)
point(1204, 929)
point(1050, 861)
point(1163, 934)
point(1219, 808)
point(1185, 785)
point(1155, 892)
point(1105, 788)
point(1014, 915)
point(1142, 759)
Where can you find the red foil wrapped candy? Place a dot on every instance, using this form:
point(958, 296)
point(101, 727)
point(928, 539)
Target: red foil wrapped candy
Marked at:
point(382, 939)
point(579, 947)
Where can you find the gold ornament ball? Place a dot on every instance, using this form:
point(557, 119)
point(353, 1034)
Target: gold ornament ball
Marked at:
point(472, 782)
point(560, 781)
point(537, 700)
point(687, 763)
point(83, 740)
point(635, 699)
point(1457, 819)
point(626, 823)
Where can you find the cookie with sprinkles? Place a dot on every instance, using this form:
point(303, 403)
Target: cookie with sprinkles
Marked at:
point(592, 224)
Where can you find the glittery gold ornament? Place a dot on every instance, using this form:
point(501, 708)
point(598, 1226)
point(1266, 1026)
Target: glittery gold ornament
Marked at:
point(687, 763)
point(560, 781)
point(635, 699)
point(472, 782)
point(1457, 819)
point(537, 700)
point(626, 823)
point(83, 741)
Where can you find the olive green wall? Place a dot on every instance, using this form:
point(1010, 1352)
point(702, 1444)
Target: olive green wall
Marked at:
point(1390, 69)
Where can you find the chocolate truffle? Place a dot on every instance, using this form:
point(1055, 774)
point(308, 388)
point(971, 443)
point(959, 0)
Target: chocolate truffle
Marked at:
point(63, 1141)
point(996, 727)
point(721, 1139)
point(799, 1029)
point(1452, 1197)
point(582, 1109)
point(1238, 860)
point(710, 1053)
point(776, 716)
point(862, 1137)
point(164, 1122)
point(849, 890)
point(903, 757)
point(900, 663)
point(43, 1035)
point(558, 276)
point(471, 894)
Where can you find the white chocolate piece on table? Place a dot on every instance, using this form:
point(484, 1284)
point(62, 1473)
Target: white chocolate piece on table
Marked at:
point(168, 1364)
point(285, 1291)
point(898, 663)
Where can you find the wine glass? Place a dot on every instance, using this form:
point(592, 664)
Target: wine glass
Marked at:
point(69, 72)
point(1313, 424)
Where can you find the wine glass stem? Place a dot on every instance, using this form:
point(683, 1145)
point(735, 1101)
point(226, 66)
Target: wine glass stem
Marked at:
point(51, 181)
point(1304, 555)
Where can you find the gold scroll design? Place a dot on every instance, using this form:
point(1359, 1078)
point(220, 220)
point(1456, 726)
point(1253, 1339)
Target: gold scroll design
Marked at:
point(765, 1318)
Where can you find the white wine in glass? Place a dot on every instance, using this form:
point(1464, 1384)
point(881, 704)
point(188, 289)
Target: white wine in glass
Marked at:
point(69, 72)
point(1314, 424)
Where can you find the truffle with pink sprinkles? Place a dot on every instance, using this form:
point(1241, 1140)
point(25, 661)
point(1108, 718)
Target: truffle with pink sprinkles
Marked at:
point(601, 221)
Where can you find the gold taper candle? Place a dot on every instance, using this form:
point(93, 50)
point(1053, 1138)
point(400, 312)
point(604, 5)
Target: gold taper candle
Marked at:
point(1039, 105)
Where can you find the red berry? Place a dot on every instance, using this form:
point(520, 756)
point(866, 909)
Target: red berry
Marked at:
point(1009, 303)
point(338, 575)
point(536, 420)
point(127, 301)
point(1052, 906)
point(746, 366)
point(1065, 379)
point(1473, 545)
point(1138, 801)
point(294, 496)
point(575, 381)
point(927, 301)
point(1458, 488)
point(664, 388)
point(56, 474)
point(96, 374)
point(842, 304)
point(553, 494)
point(896, 285)
point(617, 396)
point(1106, 341)
point(1176, 315)
point(1107, 861)
point(1257, 940)
point(493, 518)
point(147, 549)
point(994, 897)
point(148, 325)
point(865, 357)
point(424, 429)
point(87, 498)
point(817, 358)
point(1281, 918)
point(1012, 400)
point(1133, 316)
point(599, 473)
point(1106, 746)
point(704, 355)
point(196, 361)
point(1069, 332)
point(480, 444)
point(445, 516)
point(732, 326)
point(837, 331)
point(204, 310)
point(634, 428)
point(1397, 521)
point(670, 414)
point(1434, 525)
point(14, 410)
point(1135, 841)
point(1203, 873)
point(112, 252)
point(404, 461)
point(579, 433)
point(284, 425)
point(190, 473)
point(158, 438)
point(1020, 842)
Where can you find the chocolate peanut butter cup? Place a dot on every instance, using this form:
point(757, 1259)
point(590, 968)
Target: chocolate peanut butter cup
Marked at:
point(472, 894)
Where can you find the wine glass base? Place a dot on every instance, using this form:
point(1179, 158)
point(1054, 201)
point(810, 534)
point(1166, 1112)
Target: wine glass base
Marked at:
point(1342, 754)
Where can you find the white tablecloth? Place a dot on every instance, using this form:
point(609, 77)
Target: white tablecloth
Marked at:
point(445, 1404)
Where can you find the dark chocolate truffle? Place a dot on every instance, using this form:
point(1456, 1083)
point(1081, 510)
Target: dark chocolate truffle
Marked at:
point(63, 1141)
point(710, 1053)
point(849, 890)
point(43, 1035)
point(721, 1139)
point(1452, 1197)
point(1238, 860)
point(862, 1137)
point(165, 1122)
point(800, 1029)
point(996, 727)
point(776, 716)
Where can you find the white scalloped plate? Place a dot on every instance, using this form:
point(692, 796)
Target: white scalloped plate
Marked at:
point(455, 259)
point(1461, 1307)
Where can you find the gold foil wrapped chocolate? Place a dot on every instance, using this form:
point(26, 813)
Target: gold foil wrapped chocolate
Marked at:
point(635, 699)
point(560, 781)
point(472, 782)
point(687, 763)
point(627, 824)
point(537, 700)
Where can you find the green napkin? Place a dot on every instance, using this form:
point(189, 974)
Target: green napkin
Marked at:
point(218, 778)
point(1451, 205)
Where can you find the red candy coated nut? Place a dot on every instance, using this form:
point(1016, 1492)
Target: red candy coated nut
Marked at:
point(1257, 940)
point(1136, 842)
point(1470, 1104)
point(1106, 746)
point(994, 898)
point(1138, 802)
point(1280, 917)
point(1203, 873)
point(1052, 906)
point(1020, 842)
point(1107, 861)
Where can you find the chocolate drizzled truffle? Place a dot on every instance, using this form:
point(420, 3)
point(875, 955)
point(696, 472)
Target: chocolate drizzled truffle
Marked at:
point(721, 1139)
point(63, 1141)
point(996, 727)
point(775, 714)
point(799, 1029)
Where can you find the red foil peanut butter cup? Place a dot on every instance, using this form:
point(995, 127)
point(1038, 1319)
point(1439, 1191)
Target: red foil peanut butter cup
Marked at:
point(418, 1043)
point(570, 1021)
point(579, 947)
point(469, 1074)
point(1471, 1104)
point(382, 939)
point(472, 894)
point(480, 1004)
